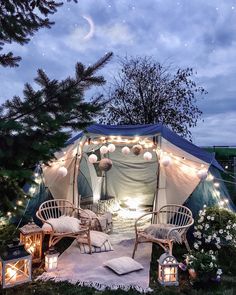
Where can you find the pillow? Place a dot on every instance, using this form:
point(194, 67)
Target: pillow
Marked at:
point(161, 230)
point(98, 238)
point(84, 248)
point(123, 265)
point(63, 224)
point(90, 214)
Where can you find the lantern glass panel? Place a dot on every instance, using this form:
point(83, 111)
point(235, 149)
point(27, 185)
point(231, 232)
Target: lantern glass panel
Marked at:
point(16, 272)
point(51, 261)
point(168, 270)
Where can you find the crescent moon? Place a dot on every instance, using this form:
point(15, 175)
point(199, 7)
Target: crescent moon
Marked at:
point(91, 28)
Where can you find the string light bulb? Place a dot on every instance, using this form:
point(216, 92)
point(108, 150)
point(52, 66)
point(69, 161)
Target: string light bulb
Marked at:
point(111, 147)
point(62, 171)
point(147, 156)
point(166, 161)
point(125, 150)
point(92, 158)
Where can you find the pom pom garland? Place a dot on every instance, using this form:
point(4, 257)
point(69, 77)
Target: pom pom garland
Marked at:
point(166, 161)
point(202, 174)
point(137, 149)
point(105, 164)
point(62, 171)
point(92, 158)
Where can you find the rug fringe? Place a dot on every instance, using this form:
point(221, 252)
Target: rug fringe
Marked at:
point(96, 285)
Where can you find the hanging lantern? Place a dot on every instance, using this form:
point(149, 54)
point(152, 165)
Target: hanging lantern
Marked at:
point(16, 265)
point(166, 161)
point(125, 150)
point(103, 149)
point(51, 259)
point(111, 147)
point(31, 236)
point(105, 164)
point(168, 270)
point(92, 158)
point(147, 156)
point(202, 174)
point(62, 171)
point(137, 149)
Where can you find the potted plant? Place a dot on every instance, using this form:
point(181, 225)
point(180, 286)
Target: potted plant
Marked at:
point(202, 265)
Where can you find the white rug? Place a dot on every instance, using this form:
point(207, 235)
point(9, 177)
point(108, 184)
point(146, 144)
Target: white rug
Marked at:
point(88, 270)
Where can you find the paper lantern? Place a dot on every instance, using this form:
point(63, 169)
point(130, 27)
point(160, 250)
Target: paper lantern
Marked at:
point(147, 156)
point(125, 150)
point(103, 149)
point(166, 161)
point(111, 147)
point(31, 235)
point(51, 259)
point(16, 265)
point(92, 158)
point(137, 149)
point(168, 270)
point(105, 164)
point(62, 171)
point(202, 174)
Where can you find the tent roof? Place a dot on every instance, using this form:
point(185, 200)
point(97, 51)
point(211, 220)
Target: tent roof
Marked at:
point(151, 130)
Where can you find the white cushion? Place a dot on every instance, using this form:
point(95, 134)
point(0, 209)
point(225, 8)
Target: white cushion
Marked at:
point(98, 238)
point(123, 265)
point(87, 213)
point(160, 231)
point(84, 248)
point(63, 224)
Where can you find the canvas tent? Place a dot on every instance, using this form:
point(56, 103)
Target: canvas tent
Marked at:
point(175, 174)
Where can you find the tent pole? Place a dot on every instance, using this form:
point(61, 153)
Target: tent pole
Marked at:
point(78, 158)
point(155, 206)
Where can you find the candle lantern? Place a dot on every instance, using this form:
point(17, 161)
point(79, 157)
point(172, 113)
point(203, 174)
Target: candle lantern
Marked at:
point(51, 259)
point(31, 236)
point(168, 270)
point(16, 265)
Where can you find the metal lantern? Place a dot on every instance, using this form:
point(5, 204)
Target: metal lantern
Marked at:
point(31, 236)
point(168, 270)
point(51, 259)
point(16, 265)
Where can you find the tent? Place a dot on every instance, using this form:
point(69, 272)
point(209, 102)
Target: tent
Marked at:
point(161, 168)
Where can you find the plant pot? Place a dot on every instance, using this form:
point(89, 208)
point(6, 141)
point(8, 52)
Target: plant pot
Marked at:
point(192, 274)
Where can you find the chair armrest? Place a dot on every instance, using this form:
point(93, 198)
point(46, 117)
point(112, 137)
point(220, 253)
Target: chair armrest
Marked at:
point(43, 220)
point(87, 218)
point(138, 219)
point(182, 228)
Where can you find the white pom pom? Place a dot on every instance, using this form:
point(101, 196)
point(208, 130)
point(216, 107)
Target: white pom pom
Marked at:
point(111, 147)
point(62, 171)
point(103, 149)
point(202, 174)
point(125, 150)
point(166, 161)
point(105, 164)
point(92, 158)
point(147, 156)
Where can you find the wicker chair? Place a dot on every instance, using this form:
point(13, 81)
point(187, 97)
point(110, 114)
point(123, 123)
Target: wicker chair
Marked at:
point(59, 207)
point(175, 217)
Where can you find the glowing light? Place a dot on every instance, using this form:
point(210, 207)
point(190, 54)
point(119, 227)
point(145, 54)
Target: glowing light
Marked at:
point(8, 213)
point(125, 150)
point(19, 203)
point(166, 161)
point(111, 147)
point(210, 177)
point(216, 184)
point(62, 171)
point(202, 174)
point(147, 156)
point(133, 204)
point(103, 149)
point(92, 158)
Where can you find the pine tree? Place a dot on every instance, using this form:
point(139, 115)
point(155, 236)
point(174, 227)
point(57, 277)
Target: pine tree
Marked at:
point(32, 128)
point(19, 20)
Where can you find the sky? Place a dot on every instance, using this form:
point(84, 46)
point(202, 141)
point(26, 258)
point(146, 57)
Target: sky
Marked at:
point(199, 33)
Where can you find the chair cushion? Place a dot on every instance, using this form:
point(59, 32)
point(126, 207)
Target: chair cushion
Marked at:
point(90, 214)
point(84, 248)
point(123, 265)
point(161, 230)
point(98, 238)
point(63, 224)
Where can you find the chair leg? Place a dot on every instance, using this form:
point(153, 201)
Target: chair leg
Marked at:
point(89, 243)
point(135, 248)
point(187, 244)
point(170, 247)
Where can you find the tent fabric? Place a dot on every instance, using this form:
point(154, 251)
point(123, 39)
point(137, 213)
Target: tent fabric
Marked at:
point(152, 130)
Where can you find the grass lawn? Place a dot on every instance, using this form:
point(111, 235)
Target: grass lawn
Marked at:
point(226, 287)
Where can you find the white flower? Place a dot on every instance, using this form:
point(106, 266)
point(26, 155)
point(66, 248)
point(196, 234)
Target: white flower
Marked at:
point(211, 265)
point(208, 217)
point(207, 226)
point(218, 240)
point(218, 246)
point(214, 235)
point(213, 257)
point(211, 252)
point(219, 272)
point(200, 227)
point(228, 227)
point(228, 237)
point(212, 218)
point(204, 206)
point(221, 231)
point(195, 245)
point(201, 220)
